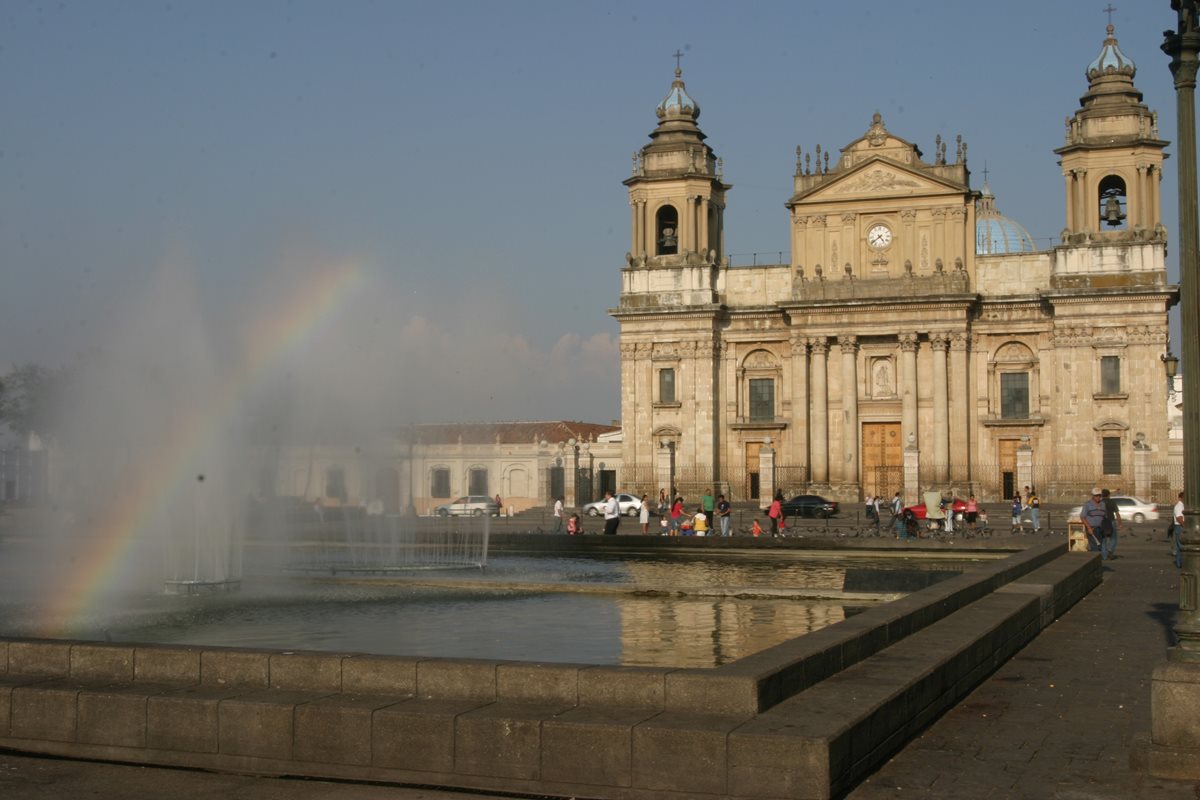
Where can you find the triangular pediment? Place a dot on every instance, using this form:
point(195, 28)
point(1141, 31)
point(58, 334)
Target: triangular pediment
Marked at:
point(875, 178)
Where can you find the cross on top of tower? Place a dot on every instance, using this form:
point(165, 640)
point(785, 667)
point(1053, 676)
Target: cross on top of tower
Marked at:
point(677, 55)
point(1109, 9)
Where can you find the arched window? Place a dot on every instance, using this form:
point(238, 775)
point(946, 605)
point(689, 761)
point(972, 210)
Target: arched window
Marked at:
point(1114, 205)
point(666, 231)
point(1013, 383)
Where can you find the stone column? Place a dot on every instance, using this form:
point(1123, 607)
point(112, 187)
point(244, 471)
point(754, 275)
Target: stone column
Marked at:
point(959, 389)
point(1141, 468)
point(912, 474)
point(800, 407)
point(819, 420)
point(1024, 465)
point(705, 246)
point(939, 235)
point(908, 389)
point(630, 402)
point(849, 345)
point(766, 471)
point(664, 466)
point(941, 411)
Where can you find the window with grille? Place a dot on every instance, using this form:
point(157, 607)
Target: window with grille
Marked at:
point(439, 483)
point(1014, 395)
point(1112, 455)
point(1110, 375)
point(478, 481)
point(666, 386)
point(762, 399)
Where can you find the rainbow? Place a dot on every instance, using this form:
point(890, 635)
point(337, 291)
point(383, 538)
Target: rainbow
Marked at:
point(97, 566)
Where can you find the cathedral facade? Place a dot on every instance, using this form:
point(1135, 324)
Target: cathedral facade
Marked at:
point(917, 339)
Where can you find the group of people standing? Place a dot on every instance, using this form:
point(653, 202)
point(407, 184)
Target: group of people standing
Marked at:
point(1030, 506)
point(675, 521)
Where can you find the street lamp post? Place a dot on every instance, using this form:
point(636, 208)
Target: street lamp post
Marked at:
point(1183, 46)
point(1172, 750)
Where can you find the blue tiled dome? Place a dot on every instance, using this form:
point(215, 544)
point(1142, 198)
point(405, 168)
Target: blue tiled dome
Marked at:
point(996, 233)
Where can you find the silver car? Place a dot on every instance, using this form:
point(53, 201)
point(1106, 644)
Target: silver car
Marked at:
point(629, 506)
point(469, 506)
point(1132, 509)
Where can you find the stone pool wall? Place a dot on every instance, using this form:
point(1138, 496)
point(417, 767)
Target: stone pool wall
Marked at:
point(807, 718)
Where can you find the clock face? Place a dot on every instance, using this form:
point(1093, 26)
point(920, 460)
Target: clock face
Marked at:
point(879, 236)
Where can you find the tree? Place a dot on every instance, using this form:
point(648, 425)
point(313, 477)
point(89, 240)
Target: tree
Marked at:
point(28, 396)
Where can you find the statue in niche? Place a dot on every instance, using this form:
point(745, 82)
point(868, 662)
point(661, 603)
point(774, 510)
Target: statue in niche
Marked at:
point(883, 378)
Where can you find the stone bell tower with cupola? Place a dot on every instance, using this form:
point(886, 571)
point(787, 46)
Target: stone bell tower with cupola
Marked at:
point(1112, 163)
point(671, 293)
point(677, 199)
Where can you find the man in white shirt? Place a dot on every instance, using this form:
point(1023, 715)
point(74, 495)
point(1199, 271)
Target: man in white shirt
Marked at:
point(558, 514)
point(612, 514)
point(1177, 532)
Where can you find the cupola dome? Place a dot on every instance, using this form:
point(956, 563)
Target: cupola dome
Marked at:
point(678, 103)
point(1111, 60)
point(995, 233)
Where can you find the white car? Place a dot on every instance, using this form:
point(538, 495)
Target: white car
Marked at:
point(469, 506)
point(629, 506)
point(1132, 509)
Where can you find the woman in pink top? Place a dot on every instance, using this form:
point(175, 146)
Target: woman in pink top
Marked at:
point(971, 512)
point(676, 516)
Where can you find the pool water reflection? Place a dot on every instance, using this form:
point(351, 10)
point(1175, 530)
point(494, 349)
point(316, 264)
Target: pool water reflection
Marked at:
point(678, 610)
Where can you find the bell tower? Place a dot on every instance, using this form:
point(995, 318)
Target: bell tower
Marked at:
point(1112, 159)
point(676, 191)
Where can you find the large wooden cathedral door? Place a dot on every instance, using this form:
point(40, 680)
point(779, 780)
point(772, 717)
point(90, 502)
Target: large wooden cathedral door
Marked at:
point(883, 459)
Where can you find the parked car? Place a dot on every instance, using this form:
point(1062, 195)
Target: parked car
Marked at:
point(809, 505)
point(921, 512)
point(1132, 509)
point(629, 506)
point(474, 505)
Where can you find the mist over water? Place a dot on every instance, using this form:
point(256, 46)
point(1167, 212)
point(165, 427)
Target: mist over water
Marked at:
point(170, 416)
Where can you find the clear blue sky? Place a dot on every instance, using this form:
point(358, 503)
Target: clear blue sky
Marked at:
point(470, 155)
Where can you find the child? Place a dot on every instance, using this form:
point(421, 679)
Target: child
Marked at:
point(700, 522)
point(782, 526)
point(666, 527)
point(573, 525)
point(1016, 512)
point(756, 529)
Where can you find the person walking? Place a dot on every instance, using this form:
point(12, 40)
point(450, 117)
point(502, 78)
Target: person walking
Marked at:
point(612, 514)
point(499, 507)
point(898, 517)
point(558, 514)
point(1017, 507)
point(724, 511)
point(775, 512)
point(971, 513)
point(869, 506)
point(1177, 532)
point(1112, 521)
point(1035, 506)
point(644, 514)
point(1092, 516)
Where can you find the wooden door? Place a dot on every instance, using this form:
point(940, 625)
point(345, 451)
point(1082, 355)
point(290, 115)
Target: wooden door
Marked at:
point(1008, 467)
point(752, 481)
point(882, 459)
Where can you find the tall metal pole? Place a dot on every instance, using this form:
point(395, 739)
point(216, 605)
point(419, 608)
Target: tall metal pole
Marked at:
point(1183, 46)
